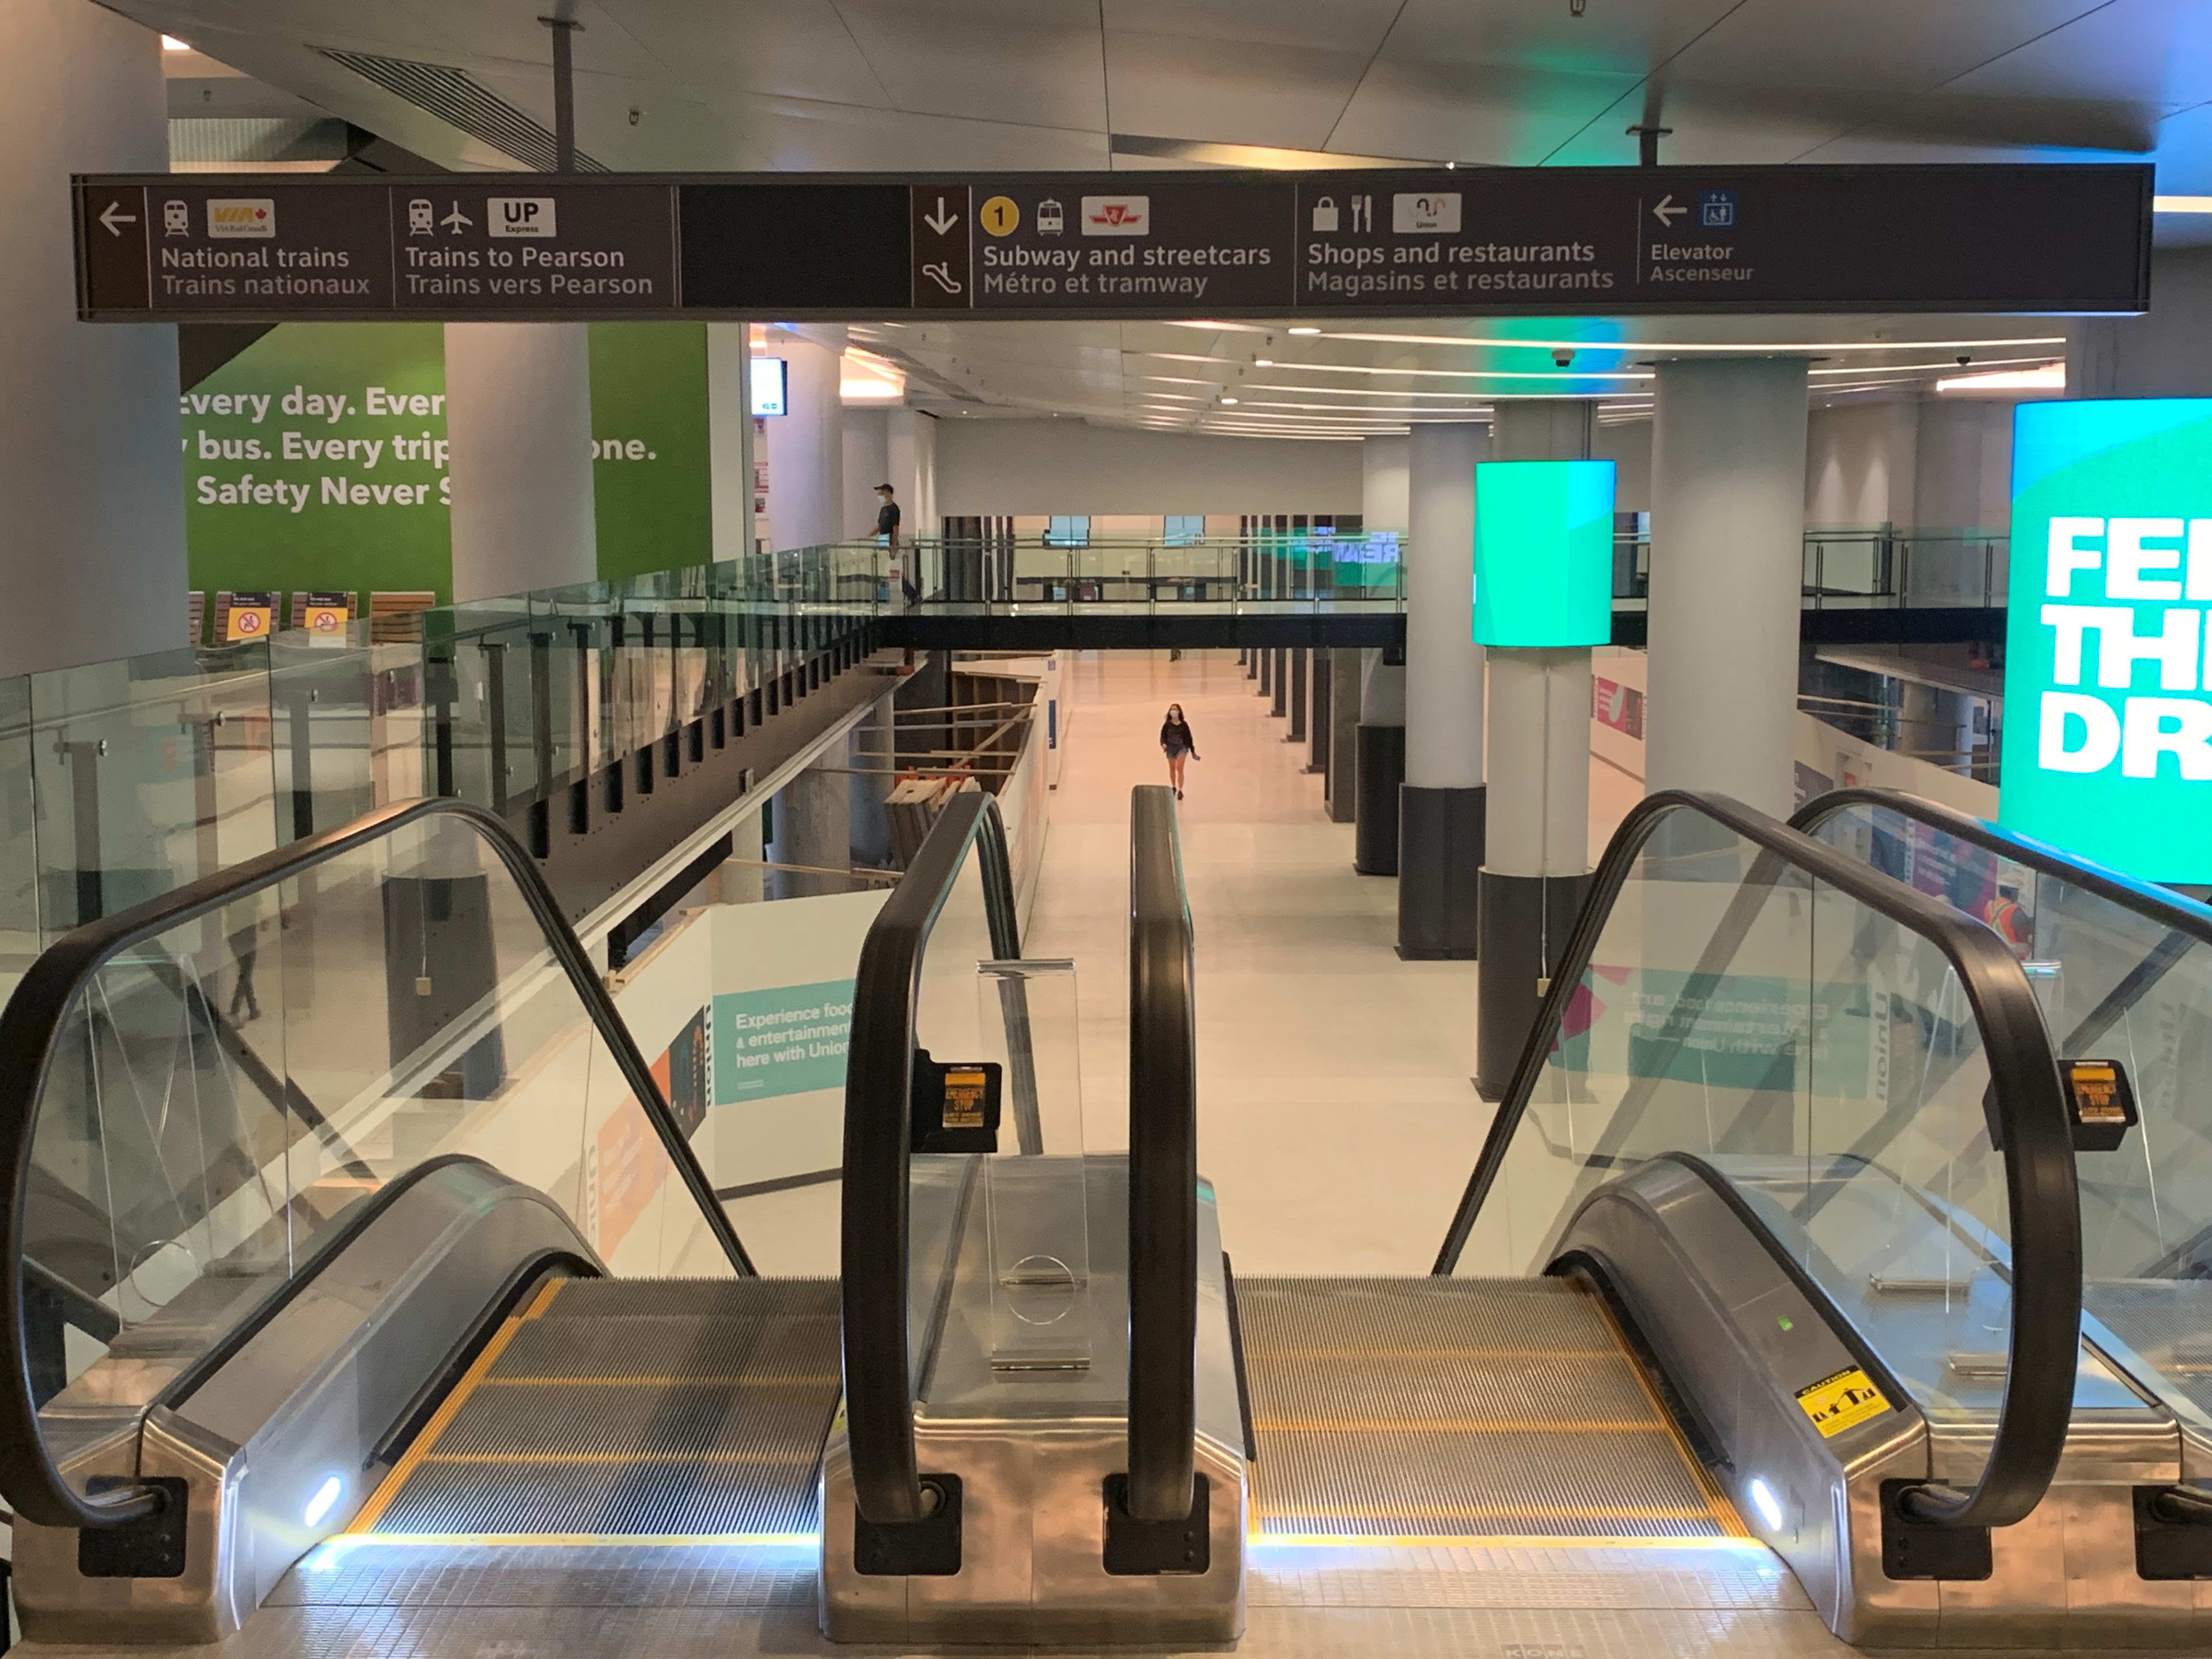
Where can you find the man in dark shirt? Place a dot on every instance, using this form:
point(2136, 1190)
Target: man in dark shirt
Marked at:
point(887, 526)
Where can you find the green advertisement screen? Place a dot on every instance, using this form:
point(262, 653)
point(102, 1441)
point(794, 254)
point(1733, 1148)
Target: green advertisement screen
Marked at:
point(2107, 721)
point(1543, 553)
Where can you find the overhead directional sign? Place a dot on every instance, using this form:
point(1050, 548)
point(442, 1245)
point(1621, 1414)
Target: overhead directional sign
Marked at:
point(797, 246)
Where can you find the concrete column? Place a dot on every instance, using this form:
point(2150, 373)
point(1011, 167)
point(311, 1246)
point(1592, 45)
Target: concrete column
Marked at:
point(869, 747)
point(1727, 491)
point(1317, 732)
point(1342, 793)
point(1535, 868)
point(1385, 484)
point(739, 880)
point(518, 432)
point(93, 563)
point(730, 438)
point(1441, 804)
point(1296, 702)
point(807, 486)
point(1379, 746)
point(814, 828)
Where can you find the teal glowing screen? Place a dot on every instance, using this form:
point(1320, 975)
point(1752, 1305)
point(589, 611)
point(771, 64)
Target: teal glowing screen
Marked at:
point(1543, 553)
point(2107, 711)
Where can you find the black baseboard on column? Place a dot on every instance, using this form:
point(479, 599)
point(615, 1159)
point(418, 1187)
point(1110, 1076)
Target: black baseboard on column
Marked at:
point(1381, 770)
point(1519, 915)
point(1440, 842)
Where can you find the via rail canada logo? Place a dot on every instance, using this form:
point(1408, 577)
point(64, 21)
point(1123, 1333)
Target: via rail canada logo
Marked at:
point(242, 216)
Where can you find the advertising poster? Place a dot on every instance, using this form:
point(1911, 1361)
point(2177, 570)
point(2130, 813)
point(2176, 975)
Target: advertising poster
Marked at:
point(2108, 718)
point(316, 460)
point(786, 1039)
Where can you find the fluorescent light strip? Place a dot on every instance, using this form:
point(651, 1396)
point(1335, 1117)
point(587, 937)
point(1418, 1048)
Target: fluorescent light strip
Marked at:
point(1764, 348)
point(1394, 392)
point(1472, 374)
point(2051, 378)
point(1921, 368)
point(2158, 204)
point(1178, 380)
point(1181, 357)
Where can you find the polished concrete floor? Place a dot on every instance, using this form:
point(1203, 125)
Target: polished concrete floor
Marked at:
point(1336, 1117)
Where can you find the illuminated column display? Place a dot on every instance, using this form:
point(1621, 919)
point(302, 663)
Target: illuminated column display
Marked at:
point(2108, 704)
point(1543, 553)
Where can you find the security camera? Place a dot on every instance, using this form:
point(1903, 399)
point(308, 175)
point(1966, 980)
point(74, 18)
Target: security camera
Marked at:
point(1964, 359)
point(1563, 355)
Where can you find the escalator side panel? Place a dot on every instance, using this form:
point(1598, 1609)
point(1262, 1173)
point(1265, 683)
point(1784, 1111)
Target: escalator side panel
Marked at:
point(303, 1402)
point(1746, 1344)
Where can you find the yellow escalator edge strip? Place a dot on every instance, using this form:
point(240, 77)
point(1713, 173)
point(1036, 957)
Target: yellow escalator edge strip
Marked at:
point(1492, 1541)
point(442, 1418)
point(1723, 1512)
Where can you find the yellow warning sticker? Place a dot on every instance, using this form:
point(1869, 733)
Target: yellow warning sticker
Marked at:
point(1842, 1401)
point(964, 1100)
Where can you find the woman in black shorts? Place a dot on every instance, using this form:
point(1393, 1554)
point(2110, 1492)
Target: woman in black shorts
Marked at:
point(1177, 745)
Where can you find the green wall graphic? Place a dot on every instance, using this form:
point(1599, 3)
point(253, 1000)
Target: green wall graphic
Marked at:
point(650, 485)
point(315, 460)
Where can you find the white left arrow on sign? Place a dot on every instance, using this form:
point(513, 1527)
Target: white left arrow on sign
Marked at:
point(940, 221)
point(115, 218)
point(1665, 212)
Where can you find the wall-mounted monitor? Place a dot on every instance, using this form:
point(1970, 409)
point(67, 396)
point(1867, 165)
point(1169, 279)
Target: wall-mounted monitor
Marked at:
point(771, 386)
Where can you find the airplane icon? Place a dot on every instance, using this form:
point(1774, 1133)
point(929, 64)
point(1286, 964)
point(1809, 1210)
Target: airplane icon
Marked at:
point(456, 222)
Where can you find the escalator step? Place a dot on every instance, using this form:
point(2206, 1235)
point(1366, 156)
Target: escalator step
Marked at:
point(1464, 1408)
point(631, 1409)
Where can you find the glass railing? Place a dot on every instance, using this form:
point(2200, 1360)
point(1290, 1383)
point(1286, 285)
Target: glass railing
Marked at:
point(2123, 971)
point(1261, 574)
point(1864, 1069)
point(122, 780)
point(202, 1097)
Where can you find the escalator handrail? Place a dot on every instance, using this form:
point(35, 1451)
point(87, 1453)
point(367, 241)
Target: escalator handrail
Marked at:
point(879, 1146)
point(2042, 1200)
point(1162, 1167)
point(31, 1027)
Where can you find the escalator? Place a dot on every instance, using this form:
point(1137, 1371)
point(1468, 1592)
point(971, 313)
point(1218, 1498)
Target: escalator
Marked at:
point(1762, 1310)
point(475, 1319)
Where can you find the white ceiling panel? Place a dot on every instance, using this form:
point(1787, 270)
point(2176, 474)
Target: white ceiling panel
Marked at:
point(1493, 115)
point(1234, 92)
point(2153, 53)
point(1900, 47)
point(1039, 63)
point(1612, 36)
point(1356, 26)
point(792, 48)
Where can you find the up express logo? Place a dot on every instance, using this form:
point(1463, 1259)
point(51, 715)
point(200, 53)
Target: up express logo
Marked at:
point(2107, 738)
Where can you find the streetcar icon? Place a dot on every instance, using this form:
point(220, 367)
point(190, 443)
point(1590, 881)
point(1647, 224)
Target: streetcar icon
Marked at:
point(1050, 220)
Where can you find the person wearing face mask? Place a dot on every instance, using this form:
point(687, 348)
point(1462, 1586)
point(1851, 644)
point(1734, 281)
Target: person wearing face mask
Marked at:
point(1177, 745)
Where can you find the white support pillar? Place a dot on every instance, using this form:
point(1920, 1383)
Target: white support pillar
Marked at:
point(730, 438)
point(519, 435)
point(807, 504)
point(1440, 810)
point(1728, 494)
point(1536, 845)
point(93, 563)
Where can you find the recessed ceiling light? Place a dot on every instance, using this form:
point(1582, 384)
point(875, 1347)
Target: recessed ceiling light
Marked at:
point(1263, 363)
point(170, 43)
point(1228, 400)
point(1305, 331)
point(2050, 378)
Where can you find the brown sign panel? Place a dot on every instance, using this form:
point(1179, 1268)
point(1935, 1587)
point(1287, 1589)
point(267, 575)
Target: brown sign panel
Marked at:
point(1589, 241)
point(531, 244)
